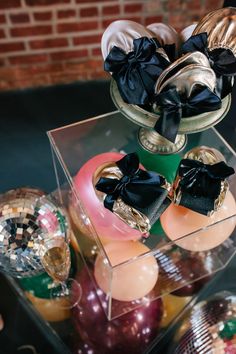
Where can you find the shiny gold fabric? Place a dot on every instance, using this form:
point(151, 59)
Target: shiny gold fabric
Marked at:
point(129, 215)
point(164, 33)
point(187, 32)
point(187, 59)
point(205, 155)
point(191, 77)
point(121, 34)
point(220, 26)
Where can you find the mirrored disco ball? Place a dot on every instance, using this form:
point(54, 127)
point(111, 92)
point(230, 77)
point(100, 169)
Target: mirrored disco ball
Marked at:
point(27, 218)
point(209, 327)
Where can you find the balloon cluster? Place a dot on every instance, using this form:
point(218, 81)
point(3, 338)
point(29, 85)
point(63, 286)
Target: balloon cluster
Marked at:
point(129, 333)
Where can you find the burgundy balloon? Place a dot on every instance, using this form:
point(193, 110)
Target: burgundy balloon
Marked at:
point(129, 333)
point(181, 271)
point(192, 269)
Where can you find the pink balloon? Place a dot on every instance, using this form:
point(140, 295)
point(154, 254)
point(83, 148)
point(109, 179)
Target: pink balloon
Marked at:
point(130, 333)
point(108, 226)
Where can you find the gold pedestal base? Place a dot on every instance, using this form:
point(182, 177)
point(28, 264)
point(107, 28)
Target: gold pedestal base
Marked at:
point(153, 142)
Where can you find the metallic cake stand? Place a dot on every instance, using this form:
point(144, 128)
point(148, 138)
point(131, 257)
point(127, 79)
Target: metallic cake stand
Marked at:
point(153, 142)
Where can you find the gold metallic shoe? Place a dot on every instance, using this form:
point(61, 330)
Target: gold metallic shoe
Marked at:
point(189, 78)
point(164, 33)
point(196, 58)
point(122, 34)
point(220, 25)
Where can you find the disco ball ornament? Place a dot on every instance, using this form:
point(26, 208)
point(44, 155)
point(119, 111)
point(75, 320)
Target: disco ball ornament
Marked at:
point(27, 218)
point(209, 327)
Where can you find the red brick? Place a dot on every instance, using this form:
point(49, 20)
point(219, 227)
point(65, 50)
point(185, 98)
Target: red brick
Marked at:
point(178, 20)
point(96, 51)
point(71, 67)
point(45, 2)
point(49, 43)
point(99, 75)
point(33, 82)
point(195, 17)
point(91, 1)
point(89, 12)
point(7, 4)
point(2, 18)
point(11, 47)
point(66, 13)
point(211, 5)
point(30, 31)
point(194, 6)
point(87, 39)
point(76, 26)
point(43, 16)
point(131, 8)
point(106, 23)
point(58, 79)
point(153, 19)
point(111, 10)
point(2, 33)
point(28, 59)
point(178, 5)
point(6, 85)
point(19, 18)
point(75, 54)
point(44, 69)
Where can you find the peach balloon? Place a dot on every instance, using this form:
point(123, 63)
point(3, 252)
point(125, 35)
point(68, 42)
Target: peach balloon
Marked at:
point(130, 281)
point(52, 310)
point(107, 225)
point(173, 305)
point(178, 221)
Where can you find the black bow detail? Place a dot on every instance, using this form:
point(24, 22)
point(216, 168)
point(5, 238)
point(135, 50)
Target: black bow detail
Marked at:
point(136, 72)
point(170, 50)
point(200, 179)
point(222, 60)
point(137, 188)
point(200, 184)
point(173, 107)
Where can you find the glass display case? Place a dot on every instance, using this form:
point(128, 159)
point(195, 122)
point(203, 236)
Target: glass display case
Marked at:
point(182, 275)
point(160, 261)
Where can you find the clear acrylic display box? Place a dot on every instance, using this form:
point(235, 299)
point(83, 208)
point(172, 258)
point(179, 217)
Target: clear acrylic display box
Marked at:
point(73, 145)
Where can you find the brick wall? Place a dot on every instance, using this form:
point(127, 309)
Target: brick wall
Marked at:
point(45, 42)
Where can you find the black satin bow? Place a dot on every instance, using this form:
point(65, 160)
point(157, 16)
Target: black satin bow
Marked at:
point(136, 72)
point(173, 107)
point(222, 61)
point(200, 184)
point(137, 188)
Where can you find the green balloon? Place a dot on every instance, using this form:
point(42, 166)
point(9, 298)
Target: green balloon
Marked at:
point(165, 165)
point(229, 329)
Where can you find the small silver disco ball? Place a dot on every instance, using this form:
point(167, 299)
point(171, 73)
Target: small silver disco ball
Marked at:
point(27, 217)
point(209, 327)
